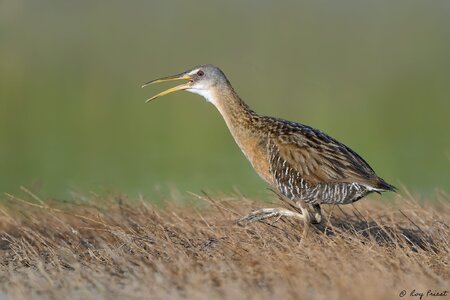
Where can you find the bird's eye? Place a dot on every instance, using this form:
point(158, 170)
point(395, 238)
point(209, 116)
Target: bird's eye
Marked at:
point(200, 73)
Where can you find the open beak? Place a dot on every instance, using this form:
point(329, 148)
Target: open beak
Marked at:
point(171, 90)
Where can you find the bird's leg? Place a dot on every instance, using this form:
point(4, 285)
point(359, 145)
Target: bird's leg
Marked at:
point(265, 213)
point(317, 214)
point(306, 217)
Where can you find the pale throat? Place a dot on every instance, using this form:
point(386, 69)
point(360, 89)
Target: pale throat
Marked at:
point(226, 102)
point(208, 94)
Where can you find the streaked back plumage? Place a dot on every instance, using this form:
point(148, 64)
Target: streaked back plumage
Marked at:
point(308, 164)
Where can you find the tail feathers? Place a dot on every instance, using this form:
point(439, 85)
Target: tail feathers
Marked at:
point(383, 186)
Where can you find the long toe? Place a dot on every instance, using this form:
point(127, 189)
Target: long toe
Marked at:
point(258, 216)
point(266, 213)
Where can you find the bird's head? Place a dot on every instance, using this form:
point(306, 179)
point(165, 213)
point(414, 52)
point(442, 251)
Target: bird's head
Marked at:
point(202, 80)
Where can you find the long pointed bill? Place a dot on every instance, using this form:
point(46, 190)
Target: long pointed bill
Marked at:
point(183, 86)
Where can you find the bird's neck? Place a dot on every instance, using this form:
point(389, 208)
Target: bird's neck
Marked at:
point(236, 113)
point(245, 126)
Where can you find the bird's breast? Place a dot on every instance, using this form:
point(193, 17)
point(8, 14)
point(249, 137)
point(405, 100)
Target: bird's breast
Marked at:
point(254, 148)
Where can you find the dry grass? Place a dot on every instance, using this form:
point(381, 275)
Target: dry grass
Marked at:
point(129, 249)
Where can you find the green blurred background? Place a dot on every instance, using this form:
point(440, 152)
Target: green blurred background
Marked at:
point(373, 74)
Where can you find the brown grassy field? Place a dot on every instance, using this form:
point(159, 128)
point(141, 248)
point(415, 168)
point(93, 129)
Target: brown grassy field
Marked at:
point(120, 248)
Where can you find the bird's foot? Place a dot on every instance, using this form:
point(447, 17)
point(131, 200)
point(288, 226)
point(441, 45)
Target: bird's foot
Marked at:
point(265, 213)
point(317, 216)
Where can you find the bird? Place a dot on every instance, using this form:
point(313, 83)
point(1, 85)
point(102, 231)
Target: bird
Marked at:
point(302, 164)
